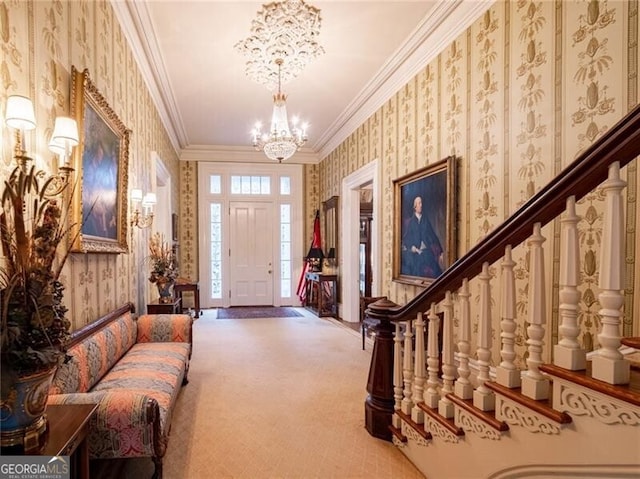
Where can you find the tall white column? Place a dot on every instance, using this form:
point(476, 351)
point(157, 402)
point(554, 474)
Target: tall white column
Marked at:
point(506, 373)
point(534, 384)
point(483, 397)
point(609, 365)
point(431, 395)
point(568, 353)
point(417, 414)
point(407, 369)
point(397, 375)
point(445, 406)
point(463, 387)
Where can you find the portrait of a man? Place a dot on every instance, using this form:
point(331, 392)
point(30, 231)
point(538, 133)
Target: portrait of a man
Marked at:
point(423, 233)
point(421, 245)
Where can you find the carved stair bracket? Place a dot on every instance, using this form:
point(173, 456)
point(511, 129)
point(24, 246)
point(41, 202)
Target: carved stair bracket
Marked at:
point(418, 428)
point(397, 437)
point(515, 414)
point(439, 431)
point(472, 424)
point(580, 401)
point(414, 435)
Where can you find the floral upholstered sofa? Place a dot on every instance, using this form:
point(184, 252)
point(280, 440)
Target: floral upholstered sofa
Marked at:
point(133, 369)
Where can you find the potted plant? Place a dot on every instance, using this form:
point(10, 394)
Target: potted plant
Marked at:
point(34, 329)
point(164, 267)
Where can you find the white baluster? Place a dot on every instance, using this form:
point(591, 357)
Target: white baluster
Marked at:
point(568, 353)
point(506, 373)
point(483, 397)
point(609, 364)
point(407, 370)
point(397, 368)
point(417, 414)
point(534, 384)
point(431, 395)
point(445, 406)
point(463, 387)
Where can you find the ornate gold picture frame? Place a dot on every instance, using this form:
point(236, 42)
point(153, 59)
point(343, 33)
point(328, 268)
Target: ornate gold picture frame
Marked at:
point(99, 205)
point(424, 236)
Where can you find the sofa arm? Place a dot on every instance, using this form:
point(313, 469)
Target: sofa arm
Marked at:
point(154, 328)
point(125, 424)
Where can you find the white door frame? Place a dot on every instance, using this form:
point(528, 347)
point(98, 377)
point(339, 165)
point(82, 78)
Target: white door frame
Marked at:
point(295, 199)
point(162, 188)
point(350, 241)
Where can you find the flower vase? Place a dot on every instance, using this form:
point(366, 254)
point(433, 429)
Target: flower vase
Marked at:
point(165, 290)
point(22, 411)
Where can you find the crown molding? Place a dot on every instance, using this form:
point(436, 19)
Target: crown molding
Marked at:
point(138, 28)
point(241, 154)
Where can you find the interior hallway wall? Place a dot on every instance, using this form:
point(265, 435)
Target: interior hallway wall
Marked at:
point(40, 42)
point(516, 97)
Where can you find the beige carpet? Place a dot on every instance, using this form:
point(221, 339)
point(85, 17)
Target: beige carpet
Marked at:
point(272, 398)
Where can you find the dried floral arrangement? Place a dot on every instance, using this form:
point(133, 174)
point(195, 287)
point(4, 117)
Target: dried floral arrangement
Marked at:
point(34, 238)
point(162, 260)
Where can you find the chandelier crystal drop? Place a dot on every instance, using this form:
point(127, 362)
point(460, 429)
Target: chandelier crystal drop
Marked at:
point(281, 142)
point(281, 30)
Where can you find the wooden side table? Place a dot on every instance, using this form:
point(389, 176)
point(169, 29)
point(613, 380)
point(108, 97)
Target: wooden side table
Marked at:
point(156, 307)
point(321, 294)
point(179, 288)
point(68, 430)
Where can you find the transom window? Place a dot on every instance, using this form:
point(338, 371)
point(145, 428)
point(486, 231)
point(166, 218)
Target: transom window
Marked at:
point(250, 185)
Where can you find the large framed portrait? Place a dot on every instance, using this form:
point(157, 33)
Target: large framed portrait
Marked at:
point(424, 226)
point(99, 203)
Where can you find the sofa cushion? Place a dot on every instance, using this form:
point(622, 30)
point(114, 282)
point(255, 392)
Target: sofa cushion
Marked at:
point(164, 327)
point(153, 369)
point(94, 356)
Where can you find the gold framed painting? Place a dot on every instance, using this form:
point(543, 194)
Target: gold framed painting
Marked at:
point(99, 204)
point(424, 237)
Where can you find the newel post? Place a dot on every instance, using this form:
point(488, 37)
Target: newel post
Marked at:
point(379, 405)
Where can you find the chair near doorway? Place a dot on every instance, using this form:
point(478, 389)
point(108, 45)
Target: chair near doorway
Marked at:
point(365, 321)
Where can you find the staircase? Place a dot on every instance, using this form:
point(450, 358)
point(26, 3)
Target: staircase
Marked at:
point(446, 387)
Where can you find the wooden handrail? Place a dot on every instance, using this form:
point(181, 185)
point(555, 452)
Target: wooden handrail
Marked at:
point(621, 143)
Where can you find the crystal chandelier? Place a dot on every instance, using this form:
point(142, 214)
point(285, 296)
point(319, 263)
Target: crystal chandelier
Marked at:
point(281, 142)
point(281, 30)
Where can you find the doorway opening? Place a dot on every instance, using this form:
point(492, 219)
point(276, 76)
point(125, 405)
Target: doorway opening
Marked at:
point(366, 178)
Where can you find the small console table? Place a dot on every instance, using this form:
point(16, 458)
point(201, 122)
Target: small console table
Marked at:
point(156, 307)
point(322, 294)
point(181, 287)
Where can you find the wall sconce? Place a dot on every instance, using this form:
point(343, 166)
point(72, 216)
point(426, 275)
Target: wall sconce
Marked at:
point(142, 219)
point(20, 115)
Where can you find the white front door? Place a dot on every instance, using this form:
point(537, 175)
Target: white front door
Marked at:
point(251, 253)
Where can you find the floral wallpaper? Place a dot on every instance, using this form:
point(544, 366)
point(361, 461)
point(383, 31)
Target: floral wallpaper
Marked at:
point(517, 97)
point(39, 42)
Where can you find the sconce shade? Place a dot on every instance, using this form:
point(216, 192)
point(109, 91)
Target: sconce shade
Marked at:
point(19, 113)
point(332, 253)
point(136, 195)
point(149, 200)
point(64, 137)
point(65, 133)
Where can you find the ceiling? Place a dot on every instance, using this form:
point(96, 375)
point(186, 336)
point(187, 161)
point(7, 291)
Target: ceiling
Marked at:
point(197, 78)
